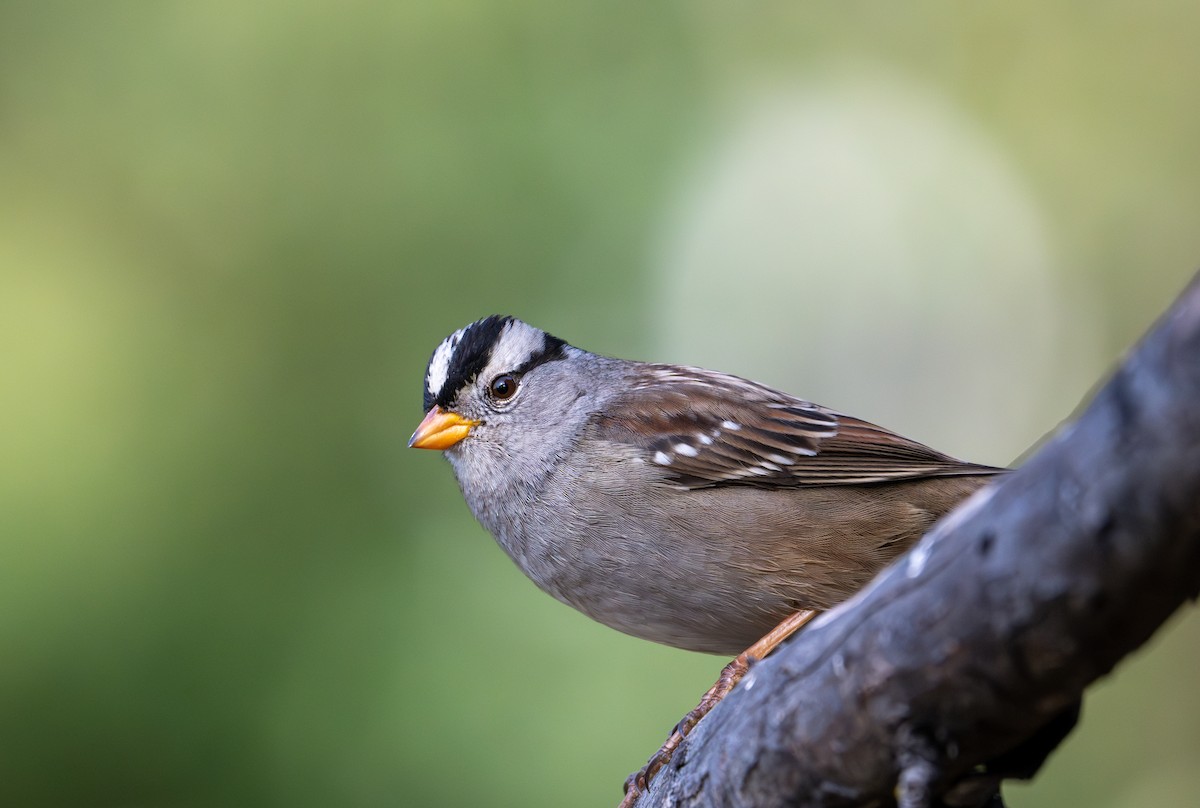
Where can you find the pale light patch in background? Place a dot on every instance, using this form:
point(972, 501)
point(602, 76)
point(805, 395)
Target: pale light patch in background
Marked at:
point(859, 242)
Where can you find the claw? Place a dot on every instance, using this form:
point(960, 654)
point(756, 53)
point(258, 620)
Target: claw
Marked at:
point(637, 783)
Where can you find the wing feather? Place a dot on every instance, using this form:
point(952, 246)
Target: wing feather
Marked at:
point(710, 429)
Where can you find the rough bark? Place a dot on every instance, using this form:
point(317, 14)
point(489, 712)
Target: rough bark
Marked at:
point(963, 662)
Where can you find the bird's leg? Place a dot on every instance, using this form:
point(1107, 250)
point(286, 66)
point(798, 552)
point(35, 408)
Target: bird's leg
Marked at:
point(731, 674)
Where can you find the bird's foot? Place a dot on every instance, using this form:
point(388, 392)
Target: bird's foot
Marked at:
point(731, 674)
point(637, 783)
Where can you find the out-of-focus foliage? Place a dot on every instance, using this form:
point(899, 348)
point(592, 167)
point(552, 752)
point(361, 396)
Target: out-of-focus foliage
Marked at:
point(231, 233)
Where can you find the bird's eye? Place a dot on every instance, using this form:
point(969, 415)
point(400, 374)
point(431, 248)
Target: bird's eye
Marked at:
point(503, 387)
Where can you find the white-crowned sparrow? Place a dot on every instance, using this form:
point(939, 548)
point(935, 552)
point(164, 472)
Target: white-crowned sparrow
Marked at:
point(681, 505)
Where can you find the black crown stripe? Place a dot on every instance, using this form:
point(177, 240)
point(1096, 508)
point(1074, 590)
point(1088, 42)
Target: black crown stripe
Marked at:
point(473, 352)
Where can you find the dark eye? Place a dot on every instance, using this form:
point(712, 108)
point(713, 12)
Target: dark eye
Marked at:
point(503, 387)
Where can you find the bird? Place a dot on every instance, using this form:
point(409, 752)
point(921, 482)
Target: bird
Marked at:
point(681, 505)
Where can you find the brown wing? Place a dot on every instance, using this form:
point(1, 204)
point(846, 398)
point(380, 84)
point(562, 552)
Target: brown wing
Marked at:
point(707, 429)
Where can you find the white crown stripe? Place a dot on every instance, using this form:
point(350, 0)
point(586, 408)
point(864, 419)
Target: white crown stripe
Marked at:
point(439, 364)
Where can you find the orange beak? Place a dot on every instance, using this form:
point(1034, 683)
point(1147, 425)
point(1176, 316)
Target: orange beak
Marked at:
point(440, 430)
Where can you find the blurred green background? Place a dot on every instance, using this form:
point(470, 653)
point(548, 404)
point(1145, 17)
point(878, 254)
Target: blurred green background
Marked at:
point(231, 234)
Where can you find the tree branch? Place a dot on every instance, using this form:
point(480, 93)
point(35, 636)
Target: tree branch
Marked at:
point(975, 647)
